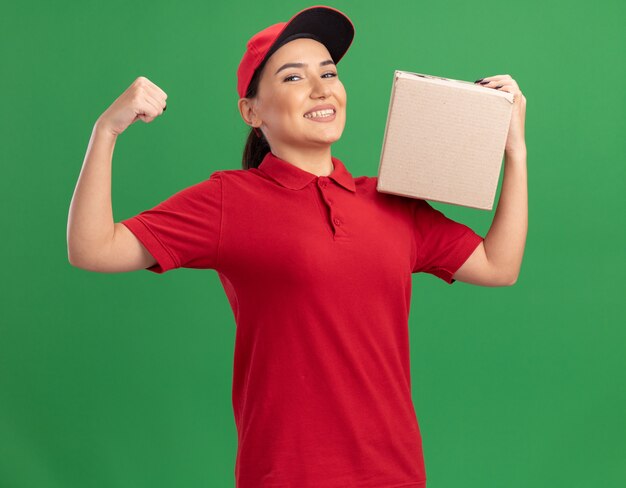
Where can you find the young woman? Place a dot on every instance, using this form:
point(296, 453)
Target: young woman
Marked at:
point(315, 263)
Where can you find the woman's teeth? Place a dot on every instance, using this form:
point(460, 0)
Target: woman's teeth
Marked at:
point(320, 113)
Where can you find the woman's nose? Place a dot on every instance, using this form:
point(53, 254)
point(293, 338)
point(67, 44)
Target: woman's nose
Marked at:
point(319, 89)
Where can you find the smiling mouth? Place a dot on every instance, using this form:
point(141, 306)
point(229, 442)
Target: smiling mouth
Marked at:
point(320, 114)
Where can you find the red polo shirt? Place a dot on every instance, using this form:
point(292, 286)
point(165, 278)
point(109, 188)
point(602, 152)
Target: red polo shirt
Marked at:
point(318, 272)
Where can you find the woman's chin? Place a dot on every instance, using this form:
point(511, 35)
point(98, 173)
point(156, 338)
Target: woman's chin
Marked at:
point(328, 138)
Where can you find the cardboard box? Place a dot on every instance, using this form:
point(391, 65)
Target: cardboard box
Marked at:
point(444, 140)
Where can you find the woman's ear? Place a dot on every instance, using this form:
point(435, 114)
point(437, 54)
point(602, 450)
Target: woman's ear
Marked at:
point(248, 112)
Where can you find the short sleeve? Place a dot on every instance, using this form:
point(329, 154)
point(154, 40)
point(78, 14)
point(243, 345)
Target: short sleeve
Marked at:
point(442, 244)
point(184, 230)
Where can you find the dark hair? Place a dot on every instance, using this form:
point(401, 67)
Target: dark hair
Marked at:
point(256, 146)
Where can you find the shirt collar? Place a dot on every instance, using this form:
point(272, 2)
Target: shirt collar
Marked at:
point(290, 176)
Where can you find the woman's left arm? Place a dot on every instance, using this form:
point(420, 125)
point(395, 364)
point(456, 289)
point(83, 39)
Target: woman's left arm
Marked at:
point(498, 259)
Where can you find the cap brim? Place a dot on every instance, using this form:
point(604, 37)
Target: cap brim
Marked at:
point(331, 27)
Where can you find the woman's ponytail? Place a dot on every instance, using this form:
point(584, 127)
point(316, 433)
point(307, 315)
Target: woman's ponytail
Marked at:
point(256, 145)
point(255, 149)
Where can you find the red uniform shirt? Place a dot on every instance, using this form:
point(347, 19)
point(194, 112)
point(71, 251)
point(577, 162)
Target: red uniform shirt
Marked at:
point(317, 271)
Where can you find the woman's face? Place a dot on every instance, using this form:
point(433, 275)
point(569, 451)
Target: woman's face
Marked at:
point(300, 100)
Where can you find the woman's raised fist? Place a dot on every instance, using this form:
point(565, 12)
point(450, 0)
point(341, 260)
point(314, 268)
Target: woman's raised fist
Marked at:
point(141, 100)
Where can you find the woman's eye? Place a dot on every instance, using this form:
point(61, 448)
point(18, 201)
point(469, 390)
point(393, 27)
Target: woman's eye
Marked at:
point(324, 75)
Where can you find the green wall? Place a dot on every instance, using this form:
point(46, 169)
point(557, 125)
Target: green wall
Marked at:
point(123, 380)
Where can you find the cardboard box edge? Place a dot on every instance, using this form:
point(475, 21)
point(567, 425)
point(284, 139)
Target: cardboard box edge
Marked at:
point(389, 109)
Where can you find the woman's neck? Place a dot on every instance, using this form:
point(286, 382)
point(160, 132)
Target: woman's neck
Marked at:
point(313, 160)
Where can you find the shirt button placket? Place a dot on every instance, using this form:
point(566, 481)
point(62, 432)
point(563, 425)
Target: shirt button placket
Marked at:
point(323, 184)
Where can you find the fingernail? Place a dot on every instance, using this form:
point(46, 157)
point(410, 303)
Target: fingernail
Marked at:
point(164, 108)
point(499, 86)
point(484, 82)
point(478, 81)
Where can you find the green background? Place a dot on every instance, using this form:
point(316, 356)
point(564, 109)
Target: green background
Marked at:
point(124, 380)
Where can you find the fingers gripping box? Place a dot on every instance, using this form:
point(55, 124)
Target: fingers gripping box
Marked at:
point(444, 140)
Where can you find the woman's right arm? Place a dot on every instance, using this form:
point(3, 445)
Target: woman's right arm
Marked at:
point(95, 242)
